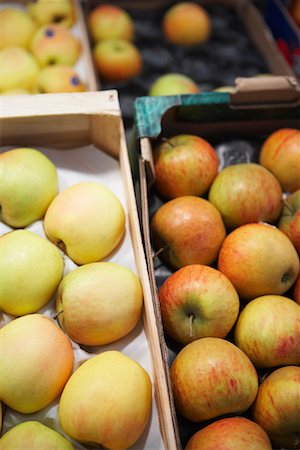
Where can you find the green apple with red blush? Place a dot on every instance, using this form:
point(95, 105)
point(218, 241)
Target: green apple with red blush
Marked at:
point(289, 221)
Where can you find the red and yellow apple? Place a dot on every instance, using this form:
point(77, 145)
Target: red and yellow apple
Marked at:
point(231, 433)
point(55, 44)
point(108, 21)
point(290, 219)
point(198, 301)
point(117, 59)
point(58, 78)
point(280, 153)
point(268, 331)
point(53, 11)
point(187, 23)
point(277, 407)
point(187, 230)
point(173, 84)
point(246, 193)
point(16, 28)
point(259, 259)
point(19, 69)
point(212, 377)
point(185, 164)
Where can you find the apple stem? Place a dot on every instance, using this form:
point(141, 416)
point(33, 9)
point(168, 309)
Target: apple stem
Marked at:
point(168, 141)
point(159, 251)
point(191, 317)
point(56, 315)
point(288, 206)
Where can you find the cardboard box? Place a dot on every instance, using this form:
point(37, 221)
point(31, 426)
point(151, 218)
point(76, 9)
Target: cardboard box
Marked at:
point(83, 135)
point(236, 125)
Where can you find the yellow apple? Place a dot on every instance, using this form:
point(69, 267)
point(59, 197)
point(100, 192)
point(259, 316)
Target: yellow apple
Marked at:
point(53, 11)
point(31, 268)
point(28, 184)
point(16, 28)
point(33, 435)
point(106, 401)
point(99, 303)
point(36, 362)
point(55, 44)
point(58, 78)
point(173, 84)
point(87, 220)
point(110, 22)
point(19, 69)
point(16, 91)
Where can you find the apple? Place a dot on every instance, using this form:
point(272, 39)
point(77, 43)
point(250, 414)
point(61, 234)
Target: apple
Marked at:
point(58, 78)
point(117, 60)
point(185, 164)
point(290, 219)
point(231, 433)
point(99, 303)
point(107, 401)
point(294, 8)
point(212, 377)
point(187, 23)
point(16, 91)
point(53, 11)
point(173, 84)
point(280, 153)
point(19, 69)
point(198, 301)
point(87, 220)
point(296, 293)
point(276, 408)
point(36, 362)
point(246, 193)
point(229, 89)
point(34, 435)
point(28, 184)
point(31, 268)
point(108, 21)
point(258, 259)
point(187, 230)
point(55, 44)
point(268, 331)
point(16, 28)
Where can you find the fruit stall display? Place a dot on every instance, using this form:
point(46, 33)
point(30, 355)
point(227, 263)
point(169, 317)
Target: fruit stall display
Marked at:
point(44, 48)
point(80, 358)
point(217, 179)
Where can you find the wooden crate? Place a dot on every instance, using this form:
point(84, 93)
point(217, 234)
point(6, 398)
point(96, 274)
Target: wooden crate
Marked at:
point(71, 128)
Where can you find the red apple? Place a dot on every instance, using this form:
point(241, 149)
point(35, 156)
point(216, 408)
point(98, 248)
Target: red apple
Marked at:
point(232, 433)
point(290, 219)
point(259, 259)
point(184, 165)
point(296, 295)
point(280, 153)
point(187, 230)
point(110, 22)
point(268, 331)
point(187, 23)
point(173, 84)
point(117, 60)
point(277, 407)
point(212, 377)
point(198, 301)
point(246, 193)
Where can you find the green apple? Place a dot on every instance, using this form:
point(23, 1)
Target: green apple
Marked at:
point(234, 433)
point(31, 268)
point(106, 401)
point(58, 78)
point(280, 153)
point(184, 164)
point(28, 184)
point(110, 22)
point(53, 11)
point(276, 408)
point(55, 44)
point(289, 221)
point(173, 84)
point(87, 220)
point(99, 303)
point(212, 377)
point(117, 59)
point(187, 230)
point(259, 259)
point(268, 331)
point(246, 193)
point(16, 28)
point(34, 435)
point(198, 301)
point(36, 362)
point(19, 69)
